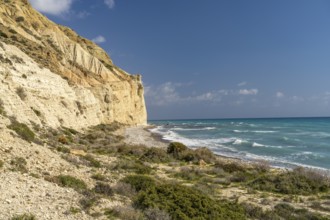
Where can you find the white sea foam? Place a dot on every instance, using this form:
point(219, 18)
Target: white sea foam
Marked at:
point(314, 134)
point(250, 131)
point(264, 132)
point(194, 129)
point(239, 131)
point(232, 146)
point(239, 142)
point(281, 163)
point(255, 144)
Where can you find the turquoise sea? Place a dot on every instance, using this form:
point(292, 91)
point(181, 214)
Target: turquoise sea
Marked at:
point(283, 142)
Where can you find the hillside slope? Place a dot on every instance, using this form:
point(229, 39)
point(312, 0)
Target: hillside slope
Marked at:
point(51, 76)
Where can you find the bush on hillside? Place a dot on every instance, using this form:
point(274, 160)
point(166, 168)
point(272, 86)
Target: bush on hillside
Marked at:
point(103, 188)
point(24, 217)
point(176, 149)
point(22, 130)
point(68, 181)
point(180, 202)
point(130, 165)
point(181, 152)
point(155, 155)
point(19, 164)
point(299, 181)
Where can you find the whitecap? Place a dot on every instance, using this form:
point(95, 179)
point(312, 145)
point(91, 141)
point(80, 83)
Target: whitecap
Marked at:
point(264, 132)
point(194, 129)
point(255, 144)
point(250, 131)
point(240, 141)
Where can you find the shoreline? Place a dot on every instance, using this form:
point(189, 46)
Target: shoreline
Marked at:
point(141, 135)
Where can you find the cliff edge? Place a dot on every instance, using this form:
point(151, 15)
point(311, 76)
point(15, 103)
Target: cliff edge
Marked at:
point(51, 76)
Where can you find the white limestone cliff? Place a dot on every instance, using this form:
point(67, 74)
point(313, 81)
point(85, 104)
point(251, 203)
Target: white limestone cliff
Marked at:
point(49, 75)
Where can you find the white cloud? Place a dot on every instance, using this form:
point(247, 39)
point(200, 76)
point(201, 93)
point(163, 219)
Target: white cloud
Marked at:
point(53, 7)
point(298, 99)
point(167, 94)
point(82, 14)
point(241, 84)
point(248, 91)
point(162, 95)
point(214, 96)
point(110, 3)
point(99, 39)
point(279, 95)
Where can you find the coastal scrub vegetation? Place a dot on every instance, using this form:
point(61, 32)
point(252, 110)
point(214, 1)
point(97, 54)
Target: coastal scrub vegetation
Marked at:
point(299, 181)
point(22, 130)
point(180, 183)
point(24, 217)
point(68, 181)
point(181, 202)
point(19, 164)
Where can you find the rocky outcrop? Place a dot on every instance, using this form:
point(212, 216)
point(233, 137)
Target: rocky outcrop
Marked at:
point(50, 75)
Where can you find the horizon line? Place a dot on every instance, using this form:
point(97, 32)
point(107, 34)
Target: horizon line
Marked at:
point(238, 118)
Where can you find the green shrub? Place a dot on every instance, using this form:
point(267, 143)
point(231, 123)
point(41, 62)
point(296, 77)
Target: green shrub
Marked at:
point(92, 161)
point(189, 173)
point(1, 163)
point(205, 154)
point(124, 189)
point(19, 164)
point(132, 166)
point(99, 177)
point(22, 130)
point(63, 149)
point(68, 181)
point(109, 127)
point(70, 131)
point(180, 202)
point(299, 181)
point(176, 148)
point(103, 188)
point(200, 154)
point(155, 155)
point(286, 211)
point(132, 150)
point(140, 182)
point(89, 200)
point(24, 217)
point(127, 213)
point(231, 167)
point(181, 152)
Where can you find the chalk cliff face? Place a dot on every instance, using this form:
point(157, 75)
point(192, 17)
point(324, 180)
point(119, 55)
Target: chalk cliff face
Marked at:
point(50, 75)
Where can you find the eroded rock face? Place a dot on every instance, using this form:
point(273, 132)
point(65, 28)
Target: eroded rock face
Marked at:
point(50, 75)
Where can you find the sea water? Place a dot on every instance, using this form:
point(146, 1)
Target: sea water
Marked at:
point(283, 142)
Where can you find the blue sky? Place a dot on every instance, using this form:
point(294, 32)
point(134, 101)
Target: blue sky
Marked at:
point(213, 58)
